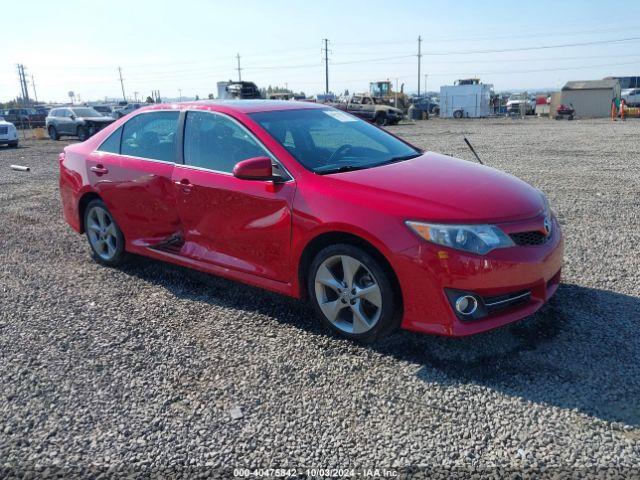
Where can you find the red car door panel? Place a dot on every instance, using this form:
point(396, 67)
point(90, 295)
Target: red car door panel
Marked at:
point(139, 193)
point(243, 225)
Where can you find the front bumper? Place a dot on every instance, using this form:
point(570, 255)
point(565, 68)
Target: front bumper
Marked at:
point(426, 273)
point(10, 137)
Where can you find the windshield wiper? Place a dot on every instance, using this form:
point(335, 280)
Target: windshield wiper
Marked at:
point(350, 168)
point(400, 159)
point(343, 168)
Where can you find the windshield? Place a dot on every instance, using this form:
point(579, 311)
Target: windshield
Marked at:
point(329, 141)
point(85, 112)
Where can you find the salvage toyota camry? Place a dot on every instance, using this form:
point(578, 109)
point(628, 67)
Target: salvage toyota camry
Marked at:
point(308, 201)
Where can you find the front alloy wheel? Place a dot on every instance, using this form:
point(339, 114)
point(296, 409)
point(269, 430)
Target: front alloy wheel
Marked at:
point(104, 235)
point(351, 293)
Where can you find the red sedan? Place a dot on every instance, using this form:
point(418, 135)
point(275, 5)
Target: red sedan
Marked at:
point(309, 201)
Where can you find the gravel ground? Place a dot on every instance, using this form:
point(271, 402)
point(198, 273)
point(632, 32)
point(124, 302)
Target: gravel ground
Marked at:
point(154, 370)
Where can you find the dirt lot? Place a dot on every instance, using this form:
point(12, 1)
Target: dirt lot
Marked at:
point(140, 370)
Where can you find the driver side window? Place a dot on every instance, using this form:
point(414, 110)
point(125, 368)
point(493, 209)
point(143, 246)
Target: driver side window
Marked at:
point(215, 142)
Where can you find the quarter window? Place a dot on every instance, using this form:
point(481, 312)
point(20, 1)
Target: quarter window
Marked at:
point(112, 143)
point(217, 143)
point(151, 135)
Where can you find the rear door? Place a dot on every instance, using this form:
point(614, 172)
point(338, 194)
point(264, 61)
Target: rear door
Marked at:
point(132, 172)
point(244, 225)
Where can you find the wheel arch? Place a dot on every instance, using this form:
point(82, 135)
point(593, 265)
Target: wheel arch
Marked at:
point(313, 247)
point(82, 206)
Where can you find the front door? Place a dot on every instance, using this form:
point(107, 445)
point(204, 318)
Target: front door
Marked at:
point(65, 124)
point(244, 225)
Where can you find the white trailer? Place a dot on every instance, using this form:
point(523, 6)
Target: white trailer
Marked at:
point(465, 99)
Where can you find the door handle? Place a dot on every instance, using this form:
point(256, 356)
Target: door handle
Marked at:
point(99, 169)
point(185, 185)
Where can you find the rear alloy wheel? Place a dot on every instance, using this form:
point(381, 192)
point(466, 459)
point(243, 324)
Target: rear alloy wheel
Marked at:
point(53, 133)
point(351, 293)
point(104, 235)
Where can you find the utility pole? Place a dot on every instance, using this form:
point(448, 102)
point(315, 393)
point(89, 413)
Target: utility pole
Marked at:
point(33, 84)
point(326, 66)
point(239, 69)
point(419, 61)
point(23, 84)
point(395, 100)
point(135, 96)
point(180, 92)
point(124, 97)
point(425, 83)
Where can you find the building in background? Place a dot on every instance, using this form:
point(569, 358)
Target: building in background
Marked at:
point(626, 82)
point(591, 98)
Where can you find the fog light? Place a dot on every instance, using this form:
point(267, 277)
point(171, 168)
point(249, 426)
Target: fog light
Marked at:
point(466, 304)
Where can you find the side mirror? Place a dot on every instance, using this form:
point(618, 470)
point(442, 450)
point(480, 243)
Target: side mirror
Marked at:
point(72, 116)
point(257, 168)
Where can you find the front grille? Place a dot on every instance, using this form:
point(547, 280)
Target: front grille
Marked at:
point(529, 238)
point(493, 304)
point(4, 130)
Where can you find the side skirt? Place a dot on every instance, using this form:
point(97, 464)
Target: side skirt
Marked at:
point(243, 277)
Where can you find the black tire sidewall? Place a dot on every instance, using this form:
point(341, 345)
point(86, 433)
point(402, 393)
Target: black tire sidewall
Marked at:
point(83, 134)
point(120, 255)
point(53, 133)
point(388, 320)
point(381, 119)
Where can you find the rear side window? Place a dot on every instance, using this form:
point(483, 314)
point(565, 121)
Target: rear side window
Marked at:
point(112, 143)
point(216, 142)
point(151, 135)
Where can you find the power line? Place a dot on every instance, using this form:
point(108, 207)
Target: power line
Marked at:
point(543, 47)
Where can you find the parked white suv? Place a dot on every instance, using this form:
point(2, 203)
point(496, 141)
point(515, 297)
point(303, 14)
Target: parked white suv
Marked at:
point(631, 97)
point(8, 133)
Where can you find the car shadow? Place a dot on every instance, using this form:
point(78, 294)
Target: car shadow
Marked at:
point(580, 352)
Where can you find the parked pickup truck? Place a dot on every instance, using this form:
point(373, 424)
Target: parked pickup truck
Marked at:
point(371, 109)
point(23, 117)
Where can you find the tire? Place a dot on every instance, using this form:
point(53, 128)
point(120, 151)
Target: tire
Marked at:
point(457, 114)
point(53, 133)
point(570, 117)
point(103, 234)
point(13, 144)
point(381, 119)
point(83, 133)
point(338, 299)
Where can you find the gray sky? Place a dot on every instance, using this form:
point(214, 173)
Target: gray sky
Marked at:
point(191, 44)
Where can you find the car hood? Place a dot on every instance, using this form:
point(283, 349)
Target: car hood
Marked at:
point(439, 188)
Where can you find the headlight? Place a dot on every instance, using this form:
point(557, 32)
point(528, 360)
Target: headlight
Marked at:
point(479, 239)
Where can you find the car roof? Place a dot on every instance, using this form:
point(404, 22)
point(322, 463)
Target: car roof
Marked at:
point(249, 106)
